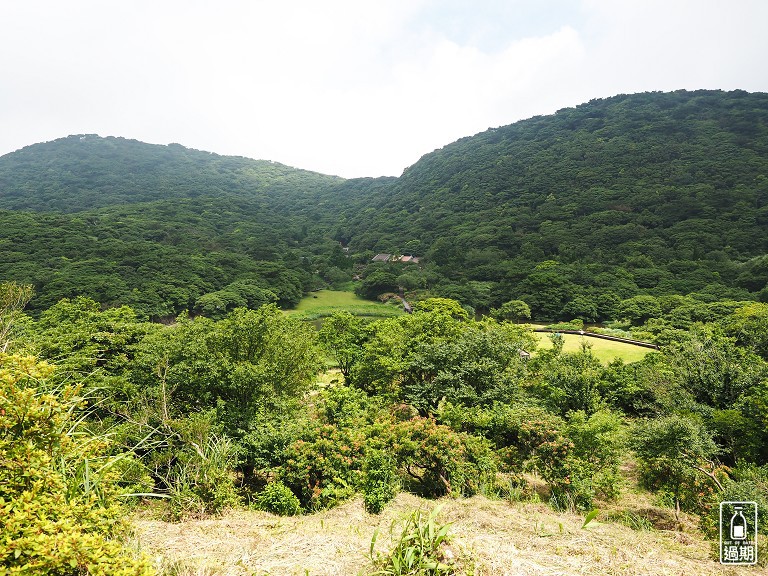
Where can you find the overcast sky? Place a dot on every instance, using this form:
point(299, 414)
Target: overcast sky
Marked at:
point(350, 87)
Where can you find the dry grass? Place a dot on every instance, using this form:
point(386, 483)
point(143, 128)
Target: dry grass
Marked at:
point(500, 538)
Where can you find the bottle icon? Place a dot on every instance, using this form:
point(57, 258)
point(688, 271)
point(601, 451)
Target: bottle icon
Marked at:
point(738, 525)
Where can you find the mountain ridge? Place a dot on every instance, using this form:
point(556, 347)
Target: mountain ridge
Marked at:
point(132, 167)
point(654, 193)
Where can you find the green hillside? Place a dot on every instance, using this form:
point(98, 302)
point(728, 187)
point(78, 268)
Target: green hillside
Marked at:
point(161, 228)
point(83, 172)
point(654, 193)
point(573, 213)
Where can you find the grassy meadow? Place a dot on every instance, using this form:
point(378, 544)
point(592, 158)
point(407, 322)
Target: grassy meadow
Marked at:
point(604, 350)
point(325, 302)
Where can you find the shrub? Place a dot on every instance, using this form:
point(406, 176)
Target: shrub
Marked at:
point(324, 468)
point(58, 490)
point(419, 547)
point(749, 483)
point(379, 481)
point(598, 444)
point(572, 381)
point(676, 454)
point(278, 499)
point(578, 459)
point(435, 460)
point(342, 405)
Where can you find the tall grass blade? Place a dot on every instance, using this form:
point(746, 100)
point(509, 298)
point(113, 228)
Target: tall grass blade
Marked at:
point(591, 516)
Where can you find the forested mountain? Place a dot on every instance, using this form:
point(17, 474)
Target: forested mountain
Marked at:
point(650, 211)
point(660, 193)
point(83, 172)
point(161, 228)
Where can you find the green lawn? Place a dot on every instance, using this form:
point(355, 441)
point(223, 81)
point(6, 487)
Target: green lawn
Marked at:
point(604, 350)
point(325, 302)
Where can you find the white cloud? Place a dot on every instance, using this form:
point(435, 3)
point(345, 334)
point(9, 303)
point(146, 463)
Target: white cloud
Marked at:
point(669, 44)
point(349, 87)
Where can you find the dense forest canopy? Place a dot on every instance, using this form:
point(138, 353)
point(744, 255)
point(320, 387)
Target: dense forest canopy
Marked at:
point(656, 193)
point(83, 172)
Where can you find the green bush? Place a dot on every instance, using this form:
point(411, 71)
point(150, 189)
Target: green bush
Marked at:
point(435, 460)
point(599, 443)
point(58, 489)
point(578, 458)
point(748, 483)
point(325, 468)
point(343, 406)
point(418, 547)
point(379, 481)
point(278, 499)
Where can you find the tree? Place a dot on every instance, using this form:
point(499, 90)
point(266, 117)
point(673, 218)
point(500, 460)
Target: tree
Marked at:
point(343, 335)
point(571, 381)
point(599, 446)
point(639, 309)
point(393, 342)
point(243, 371)
point(94, 346)
point(582, 307)
point(442, 307)
point(672, 450)
point(217, 304)
point(712, 367)
point(377, 282)
point(238, 294)
point(749, 325)
point(479, 365)
point(265, 357)
point(175, 370)
point(513, 310)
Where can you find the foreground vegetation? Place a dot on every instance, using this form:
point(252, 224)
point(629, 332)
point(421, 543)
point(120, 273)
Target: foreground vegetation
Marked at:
point(213, 414)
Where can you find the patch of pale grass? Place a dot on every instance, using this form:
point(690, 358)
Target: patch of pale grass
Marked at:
point(329, 377)
point(500, 538)
point(326, 302)
point(332, 298)
point(604, 350)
